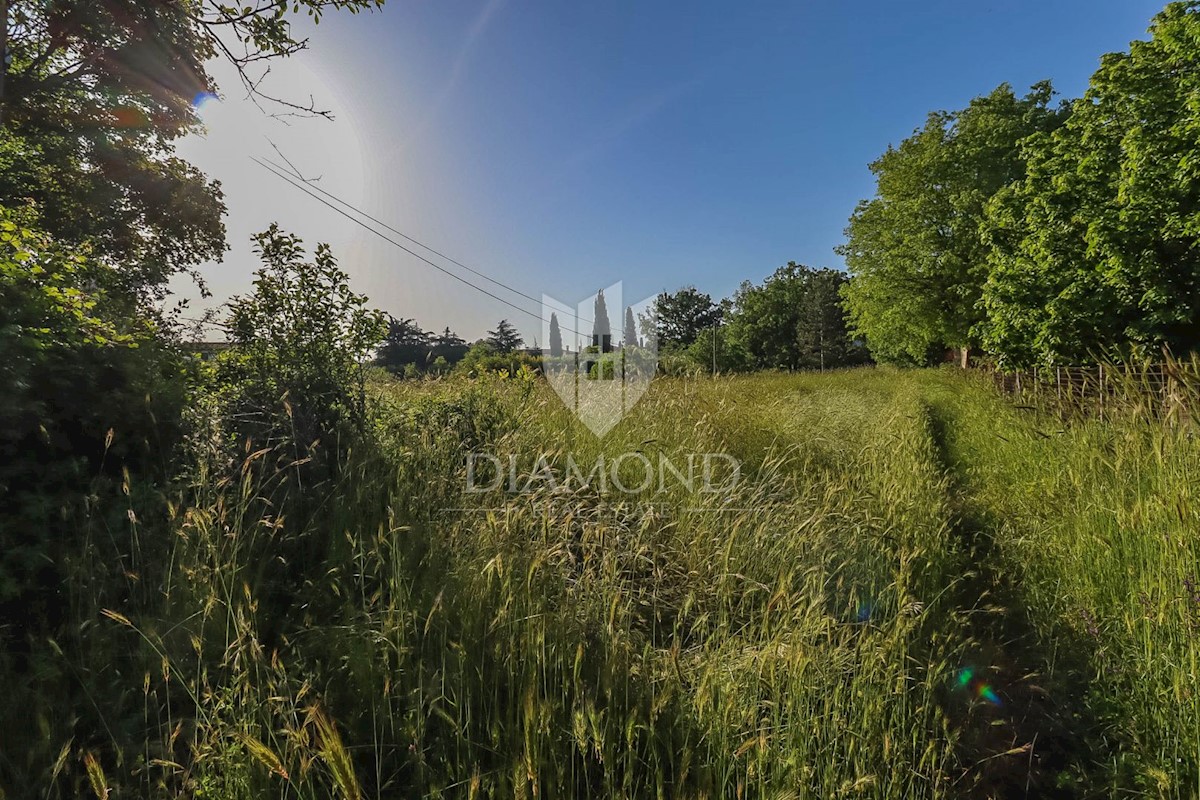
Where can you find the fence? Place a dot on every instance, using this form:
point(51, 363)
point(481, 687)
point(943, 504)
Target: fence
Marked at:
point(1168, 391)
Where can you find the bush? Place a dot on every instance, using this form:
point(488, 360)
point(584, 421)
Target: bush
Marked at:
point(677, 364)
point(89, 419)
point(294, 379)
point(483, 357)
point(91, 401)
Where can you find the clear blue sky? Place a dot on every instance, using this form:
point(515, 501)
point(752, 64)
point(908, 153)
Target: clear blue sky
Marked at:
point(561, 147)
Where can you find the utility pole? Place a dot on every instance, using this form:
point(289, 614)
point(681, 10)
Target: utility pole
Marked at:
point(822, 344)
point(714, 350)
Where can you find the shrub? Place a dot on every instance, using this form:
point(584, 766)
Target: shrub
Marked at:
point(91, 398)
point(296, 373)
point(483, 357)
point(89, 418)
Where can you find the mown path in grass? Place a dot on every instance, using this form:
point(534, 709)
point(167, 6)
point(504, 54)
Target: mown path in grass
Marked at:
point(1080, 539)
point(1014, 727)
point(1024, 737)
point(1069, 564)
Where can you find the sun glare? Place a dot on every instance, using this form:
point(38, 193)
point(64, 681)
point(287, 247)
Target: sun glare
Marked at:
point(203, 103)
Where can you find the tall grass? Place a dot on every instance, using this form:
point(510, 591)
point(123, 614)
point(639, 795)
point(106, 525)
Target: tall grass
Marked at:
point(1098, 519)
point(906, 563)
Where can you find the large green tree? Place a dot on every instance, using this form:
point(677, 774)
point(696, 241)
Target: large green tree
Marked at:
point(821, 338)
point(92, 99)
point(405, 343)
point(793, 320)
point(1097, 250)
point(677, 319)
point(915, 250)
point(505, 338)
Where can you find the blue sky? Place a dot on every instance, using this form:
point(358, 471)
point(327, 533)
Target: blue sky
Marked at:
point(561, 147)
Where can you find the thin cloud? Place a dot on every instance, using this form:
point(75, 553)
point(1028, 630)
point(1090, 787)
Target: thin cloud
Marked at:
point(629, 118)
point(462, 59)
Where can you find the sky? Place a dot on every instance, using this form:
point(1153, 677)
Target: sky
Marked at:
point(563, 147)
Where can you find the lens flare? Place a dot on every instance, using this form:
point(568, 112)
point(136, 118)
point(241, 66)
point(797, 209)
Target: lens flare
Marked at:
point(129, 117)
point(976, 686)
point(202, 101)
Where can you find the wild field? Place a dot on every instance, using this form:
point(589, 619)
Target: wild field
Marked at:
point(264, 534)
point(916, 589)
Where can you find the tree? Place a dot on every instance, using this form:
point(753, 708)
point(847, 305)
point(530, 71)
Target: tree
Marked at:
point(405, 343)
point(505, 338)
point(300, 341)
point(1095, 251)
point(449, 346)
point(678, 319)
point(556, 345)
point(822, 341)
point(915, 250)
point(765, 318)
point(92, 101)
point(713, 349)
point(629, 337)
point(483, 357)
point(601, 325)
point(793, 320)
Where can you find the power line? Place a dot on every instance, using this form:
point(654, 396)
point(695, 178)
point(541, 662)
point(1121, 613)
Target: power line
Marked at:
point(282, 175)
point(312, 184)
point(209, 323)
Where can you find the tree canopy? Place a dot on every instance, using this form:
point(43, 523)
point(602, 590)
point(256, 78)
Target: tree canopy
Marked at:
point(793, 320)
point(677, 319)
point(915, 249)
point(1041, 234)
point(405, 343)
point(1096, 251)
point(504, 339)
point(95, 95)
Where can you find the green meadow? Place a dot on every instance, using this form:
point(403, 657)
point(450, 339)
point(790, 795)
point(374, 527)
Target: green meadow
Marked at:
point(912, 517)
point(915, 589)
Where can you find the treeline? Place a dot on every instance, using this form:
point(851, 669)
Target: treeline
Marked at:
point(1033, 233)
point(793, 320)
point(410, 351)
